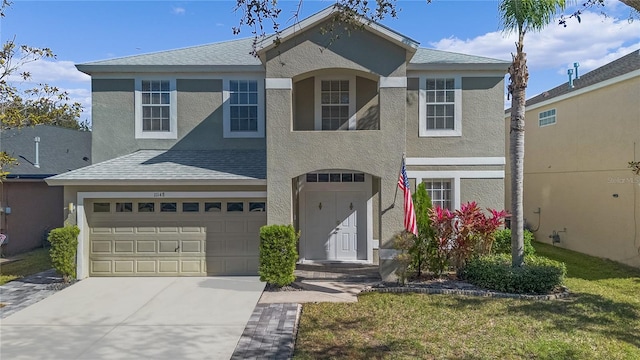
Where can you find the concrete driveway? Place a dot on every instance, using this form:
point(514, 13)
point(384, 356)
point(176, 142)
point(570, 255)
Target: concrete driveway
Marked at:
point(134, 318)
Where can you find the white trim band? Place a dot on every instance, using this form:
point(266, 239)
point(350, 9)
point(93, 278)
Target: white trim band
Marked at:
point(461, 174)
point(456, 161)
point(278, 83)
point(393, 82)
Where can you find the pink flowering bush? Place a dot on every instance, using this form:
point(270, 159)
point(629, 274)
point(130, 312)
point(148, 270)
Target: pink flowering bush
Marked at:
point(466, 232)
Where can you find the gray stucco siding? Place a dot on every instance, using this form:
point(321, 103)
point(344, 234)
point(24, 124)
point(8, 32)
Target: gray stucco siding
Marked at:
point(199, 118)
point(488, 193)
point(482, 122)
point(303, 104)
point(367, 113)
point(312, 51)
point(113, 118)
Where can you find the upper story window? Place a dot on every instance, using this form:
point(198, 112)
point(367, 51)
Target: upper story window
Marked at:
point(155, 112)
point(334, 100)
point(335, 103)
point(243, 102)
point(440, 106)
point(243, 108)
point(547, 117)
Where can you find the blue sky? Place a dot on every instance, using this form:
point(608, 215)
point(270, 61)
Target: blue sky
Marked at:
point(83, 31)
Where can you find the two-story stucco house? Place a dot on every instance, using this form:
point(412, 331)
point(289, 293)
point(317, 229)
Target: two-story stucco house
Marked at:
point(579, 192)
point(195, 149)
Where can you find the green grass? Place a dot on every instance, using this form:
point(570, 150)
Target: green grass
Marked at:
point(601, 320)
point(28, 263)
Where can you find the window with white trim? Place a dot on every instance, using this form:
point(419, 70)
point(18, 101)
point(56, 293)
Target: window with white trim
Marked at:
point(335, 103)
point(243, 102)
point(441, 100)
point(440, 192)
point(243, 108)
point(547, 117)
point(155, 112)
point(334, 100)
point(440, 106)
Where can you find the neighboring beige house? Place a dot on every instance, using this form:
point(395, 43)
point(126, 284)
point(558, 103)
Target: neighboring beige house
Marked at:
point(195, 149)
point(578, 142)
point(28, 207)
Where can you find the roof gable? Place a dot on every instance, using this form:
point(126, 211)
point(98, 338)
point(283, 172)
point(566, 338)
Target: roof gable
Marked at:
point(271, 41)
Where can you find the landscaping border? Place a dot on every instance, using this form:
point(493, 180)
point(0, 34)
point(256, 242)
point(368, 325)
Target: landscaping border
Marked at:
point(480, 293)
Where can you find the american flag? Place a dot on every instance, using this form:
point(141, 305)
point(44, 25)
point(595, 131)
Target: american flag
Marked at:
point(409, 212)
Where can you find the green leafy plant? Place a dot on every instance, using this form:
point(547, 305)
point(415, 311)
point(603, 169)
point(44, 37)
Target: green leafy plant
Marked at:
point(502, 243)
point(278, 254)
point(404, 242)
point(466, 232)
point(64, 243)
point(538, 275)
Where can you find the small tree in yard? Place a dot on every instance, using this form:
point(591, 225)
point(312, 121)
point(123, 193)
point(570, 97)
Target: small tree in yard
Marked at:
point(278, 254)
point(64, 242)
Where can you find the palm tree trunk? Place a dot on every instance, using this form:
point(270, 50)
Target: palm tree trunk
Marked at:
point(519, 76)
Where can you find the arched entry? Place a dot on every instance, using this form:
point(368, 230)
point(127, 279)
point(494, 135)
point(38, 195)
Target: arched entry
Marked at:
point(335, 210)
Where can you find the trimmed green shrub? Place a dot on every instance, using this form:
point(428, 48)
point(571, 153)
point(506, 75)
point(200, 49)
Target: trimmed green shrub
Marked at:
point(539, 275)
point(502, 243)
point(278, 254)
point(64, 244)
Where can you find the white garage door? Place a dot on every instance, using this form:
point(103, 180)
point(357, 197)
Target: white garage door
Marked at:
point(192, 237)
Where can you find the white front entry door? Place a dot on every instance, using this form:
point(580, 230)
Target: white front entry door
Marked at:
point(332, 224)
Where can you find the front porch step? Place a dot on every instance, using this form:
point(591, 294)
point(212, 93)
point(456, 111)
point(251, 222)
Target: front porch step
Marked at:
point(337, 271)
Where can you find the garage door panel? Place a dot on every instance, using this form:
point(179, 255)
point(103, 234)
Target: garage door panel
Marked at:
point(146, 266)
point(123, 266)
point(146, 246)
point(101, 267)
point(175, 244)
point(192, 266)
point(101, 247)
point(123, 246)
point(235, 226)
point(101, 230)
point(123, 230)
point(168, 266)
point(168, 246)
point(191, 246)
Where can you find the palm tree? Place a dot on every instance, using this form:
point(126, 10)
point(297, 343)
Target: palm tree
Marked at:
point(521, 16)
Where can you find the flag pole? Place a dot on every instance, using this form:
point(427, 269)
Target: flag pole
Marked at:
point(399, 171)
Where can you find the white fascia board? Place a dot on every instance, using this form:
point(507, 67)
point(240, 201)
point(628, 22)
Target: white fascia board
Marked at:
point(455, 161)
point(461, 73)
point(617, 79)
point(174, 182)
point(97, 70)
point(460, 174)
point(502, 68)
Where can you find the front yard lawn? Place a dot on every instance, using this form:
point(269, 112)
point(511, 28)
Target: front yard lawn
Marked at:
point(28, 263)
point(601, 320)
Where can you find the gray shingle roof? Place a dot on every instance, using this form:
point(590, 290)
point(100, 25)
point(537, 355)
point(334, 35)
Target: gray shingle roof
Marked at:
point(238, 53)
point(432, 56)
point(621, 66)
point(234, 52)
point(60, 150)
point(176, 165)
